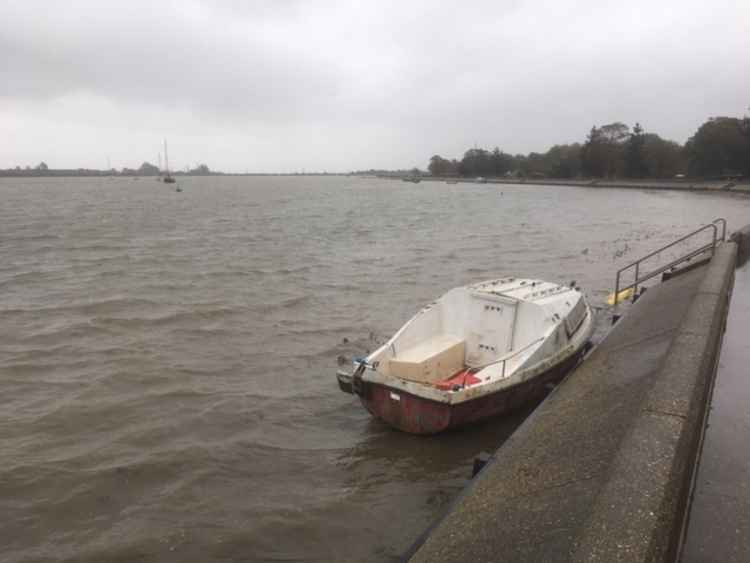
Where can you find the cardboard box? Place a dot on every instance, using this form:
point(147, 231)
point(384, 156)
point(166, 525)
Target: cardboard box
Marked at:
point(430, 361)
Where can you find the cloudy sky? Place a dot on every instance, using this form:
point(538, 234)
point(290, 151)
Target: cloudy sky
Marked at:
point(274, 85)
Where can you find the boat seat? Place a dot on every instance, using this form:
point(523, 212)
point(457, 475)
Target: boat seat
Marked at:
point(430, 361)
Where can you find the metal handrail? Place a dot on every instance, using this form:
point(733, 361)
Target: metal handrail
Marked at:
point(685, 257)
point(723, 227)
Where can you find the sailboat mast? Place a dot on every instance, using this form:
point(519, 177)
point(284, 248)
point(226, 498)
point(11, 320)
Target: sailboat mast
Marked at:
point(166, 158)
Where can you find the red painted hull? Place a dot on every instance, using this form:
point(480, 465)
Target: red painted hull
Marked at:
point(417, 415)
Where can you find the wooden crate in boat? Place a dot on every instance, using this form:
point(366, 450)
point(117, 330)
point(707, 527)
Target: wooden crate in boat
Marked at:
point(430, 361)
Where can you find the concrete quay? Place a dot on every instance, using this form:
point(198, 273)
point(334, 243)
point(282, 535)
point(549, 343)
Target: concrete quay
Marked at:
point(604, 468)
point(713, 186)
point(720, 506)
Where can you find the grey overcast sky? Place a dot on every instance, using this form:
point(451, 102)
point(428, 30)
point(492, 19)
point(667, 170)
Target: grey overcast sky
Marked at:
point(273, 85)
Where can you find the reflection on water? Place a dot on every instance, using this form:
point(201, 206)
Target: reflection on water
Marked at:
point(167, 359)
point(417, 457)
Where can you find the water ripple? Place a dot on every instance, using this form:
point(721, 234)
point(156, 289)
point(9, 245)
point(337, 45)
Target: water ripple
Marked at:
point(167, 359)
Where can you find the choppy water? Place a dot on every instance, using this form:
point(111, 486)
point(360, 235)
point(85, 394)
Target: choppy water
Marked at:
point(167, 360)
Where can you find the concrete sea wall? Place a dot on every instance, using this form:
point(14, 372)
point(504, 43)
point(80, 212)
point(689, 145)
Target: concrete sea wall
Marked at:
point(640, 513)
point(680, 185)
point(742, 239)
point(603, 469)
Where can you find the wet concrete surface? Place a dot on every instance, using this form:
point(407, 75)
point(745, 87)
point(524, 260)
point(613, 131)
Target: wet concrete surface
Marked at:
point(719, 524)
point(592, 457)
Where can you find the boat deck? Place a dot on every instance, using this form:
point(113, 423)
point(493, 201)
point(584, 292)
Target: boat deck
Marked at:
point(520, 289)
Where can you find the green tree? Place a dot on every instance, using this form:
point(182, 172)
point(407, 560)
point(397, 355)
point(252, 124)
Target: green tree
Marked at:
point(200, 170)
point(563, 161)
point(148, 169)
point(603, 153)
point(720, 146)
point(476, 162)
point(440, 166)
point(662, 158)
point(501, 162)
point(635, 164)
point(533, 165)
point(593, 161)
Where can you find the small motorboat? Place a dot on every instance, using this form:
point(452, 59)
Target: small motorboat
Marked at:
point(480, 350)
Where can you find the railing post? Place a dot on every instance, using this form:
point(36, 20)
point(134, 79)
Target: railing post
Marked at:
point(637, 269)
point(723, 227)
point(617, 286)
point(713, 245)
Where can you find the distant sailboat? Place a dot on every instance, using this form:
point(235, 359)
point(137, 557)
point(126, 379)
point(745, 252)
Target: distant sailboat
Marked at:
point(167, 178)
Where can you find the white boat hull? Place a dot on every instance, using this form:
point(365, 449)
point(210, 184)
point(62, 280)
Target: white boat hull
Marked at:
point(495, 360)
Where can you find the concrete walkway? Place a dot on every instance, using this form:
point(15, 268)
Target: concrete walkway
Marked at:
point(719, 528)
point(600, 471)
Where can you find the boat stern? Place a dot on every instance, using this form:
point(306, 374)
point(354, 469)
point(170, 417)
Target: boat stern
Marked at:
point(406, 412)
point(352, 382)
point(400, 409)
point(345, 381)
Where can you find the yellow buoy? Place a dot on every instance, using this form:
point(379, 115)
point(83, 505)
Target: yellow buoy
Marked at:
point(622, 296)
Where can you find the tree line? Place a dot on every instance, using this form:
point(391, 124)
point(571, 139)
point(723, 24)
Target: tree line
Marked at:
point(719, 148)
point(146, 169)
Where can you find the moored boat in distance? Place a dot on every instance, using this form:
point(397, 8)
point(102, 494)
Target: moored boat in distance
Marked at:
point(167, 178)
point(478, 351)
point(158, 175)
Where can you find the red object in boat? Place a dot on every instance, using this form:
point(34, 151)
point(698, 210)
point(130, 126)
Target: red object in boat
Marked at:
point(463, 378)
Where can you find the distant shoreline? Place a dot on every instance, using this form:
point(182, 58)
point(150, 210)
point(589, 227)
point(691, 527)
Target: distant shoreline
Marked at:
point(718, 186)
point(86, 173)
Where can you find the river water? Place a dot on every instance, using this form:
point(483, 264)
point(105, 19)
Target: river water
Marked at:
point(167, 359)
